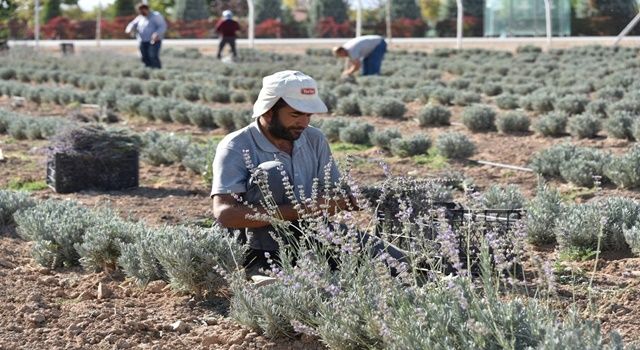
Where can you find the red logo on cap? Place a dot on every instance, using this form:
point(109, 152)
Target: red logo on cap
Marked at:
point(308, 91)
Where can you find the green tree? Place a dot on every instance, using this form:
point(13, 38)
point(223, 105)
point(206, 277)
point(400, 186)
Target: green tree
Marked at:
point(51, 10)
point(404, 9)
point(615, 8)
point(188, 10)
point(124, 8)
point(7, 7)
point(319, 9)
point(265, 9)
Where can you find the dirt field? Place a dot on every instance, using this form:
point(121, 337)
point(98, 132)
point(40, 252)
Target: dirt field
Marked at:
point(77, 310)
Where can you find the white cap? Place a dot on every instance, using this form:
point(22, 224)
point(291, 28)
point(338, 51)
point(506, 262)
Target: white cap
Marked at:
point(297, 89)
point(227, 14)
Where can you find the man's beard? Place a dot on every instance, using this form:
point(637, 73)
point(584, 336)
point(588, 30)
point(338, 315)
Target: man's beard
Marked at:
point(278, 130)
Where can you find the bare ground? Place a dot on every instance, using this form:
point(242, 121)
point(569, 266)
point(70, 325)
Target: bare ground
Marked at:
point(61, 309)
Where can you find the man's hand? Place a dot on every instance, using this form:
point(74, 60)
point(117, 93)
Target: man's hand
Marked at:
point(154, 37)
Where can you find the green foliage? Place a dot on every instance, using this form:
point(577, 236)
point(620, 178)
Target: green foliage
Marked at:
point(199, 159)
point(551, 124)
point(547, 162)
point(100, 247)
point(632, 236)
point(434, 115)
point(382, 138)
point(513, 122)
point(337, 9)
point(356, 133)
point(543, 212)
point(267, 9)
point(55, 227)
point(124, 8)
point(579, 227)
point(190, 10)
point(410, 146)
point(572, 104)
point(479, 118)
point(388, 108)
point(624, 170)
point(331, 128)
point(349, 106)
point(196, 260)
point(503, 197)
point(164, 148)
point(619, 125)
point(584, 166)
point(584, 126)
point(405, 9)
point(11, 202)
point(455, 145)
point(51, 10)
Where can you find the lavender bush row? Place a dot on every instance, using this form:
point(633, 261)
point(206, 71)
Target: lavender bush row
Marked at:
point(191, 259)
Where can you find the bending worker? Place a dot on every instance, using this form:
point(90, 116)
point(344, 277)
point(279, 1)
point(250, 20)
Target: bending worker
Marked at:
point(279, 142)
point(365, 51)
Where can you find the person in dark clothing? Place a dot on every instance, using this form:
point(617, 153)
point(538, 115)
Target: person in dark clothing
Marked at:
point(227, 28)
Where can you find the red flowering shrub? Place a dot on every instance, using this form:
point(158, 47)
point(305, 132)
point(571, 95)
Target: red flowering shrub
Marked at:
point(269, 28)
point(328, 28)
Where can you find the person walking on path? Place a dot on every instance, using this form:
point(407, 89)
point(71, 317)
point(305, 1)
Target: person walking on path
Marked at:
point(149, 27)
point(279, 143)
point(227, 28)
point(366, 52)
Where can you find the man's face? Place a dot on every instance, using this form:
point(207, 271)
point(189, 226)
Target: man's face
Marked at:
point(288, 124)
point(144, 11)
point(341, 53)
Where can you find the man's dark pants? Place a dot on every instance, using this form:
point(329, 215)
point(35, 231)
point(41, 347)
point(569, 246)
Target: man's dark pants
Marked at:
point(371, 64)
point(224, 41)
point(151, 54)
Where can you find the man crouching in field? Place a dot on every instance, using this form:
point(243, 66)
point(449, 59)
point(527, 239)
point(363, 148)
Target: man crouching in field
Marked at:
point(279, 140)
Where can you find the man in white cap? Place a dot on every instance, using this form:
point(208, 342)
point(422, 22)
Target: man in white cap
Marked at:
point(279, 140)
point(227, 28)
point(366, 52)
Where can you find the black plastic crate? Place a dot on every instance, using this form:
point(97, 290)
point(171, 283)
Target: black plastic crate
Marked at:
point(74, 172)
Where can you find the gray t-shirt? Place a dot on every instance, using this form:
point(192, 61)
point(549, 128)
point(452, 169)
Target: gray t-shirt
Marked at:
point(361, 47)
point(311, 154)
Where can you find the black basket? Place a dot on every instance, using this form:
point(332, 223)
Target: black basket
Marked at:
point(74, 172)
point(499, 221)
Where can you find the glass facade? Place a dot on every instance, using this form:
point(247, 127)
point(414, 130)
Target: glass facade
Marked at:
point(512, 18)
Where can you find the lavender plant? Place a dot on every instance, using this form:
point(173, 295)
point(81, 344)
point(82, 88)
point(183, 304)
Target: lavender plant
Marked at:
point(619, 125)
point(382, 138)
point(513, 122)
point(197, 260)
point(624, 170)
point(499, 197)
point(455, 145)
point(584, 126)
point(543, 212)
point(55, 227)
point(11, 202)
point(433, 115)
point(410, 146)
point(101, 242)
point(479, 118)
point(551, 124)
point(356, 133)
point(632, 236)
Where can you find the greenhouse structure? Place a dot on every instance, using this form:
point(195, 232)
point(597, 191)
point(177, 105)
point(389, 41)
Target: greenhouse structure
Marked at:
point(513, 18)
